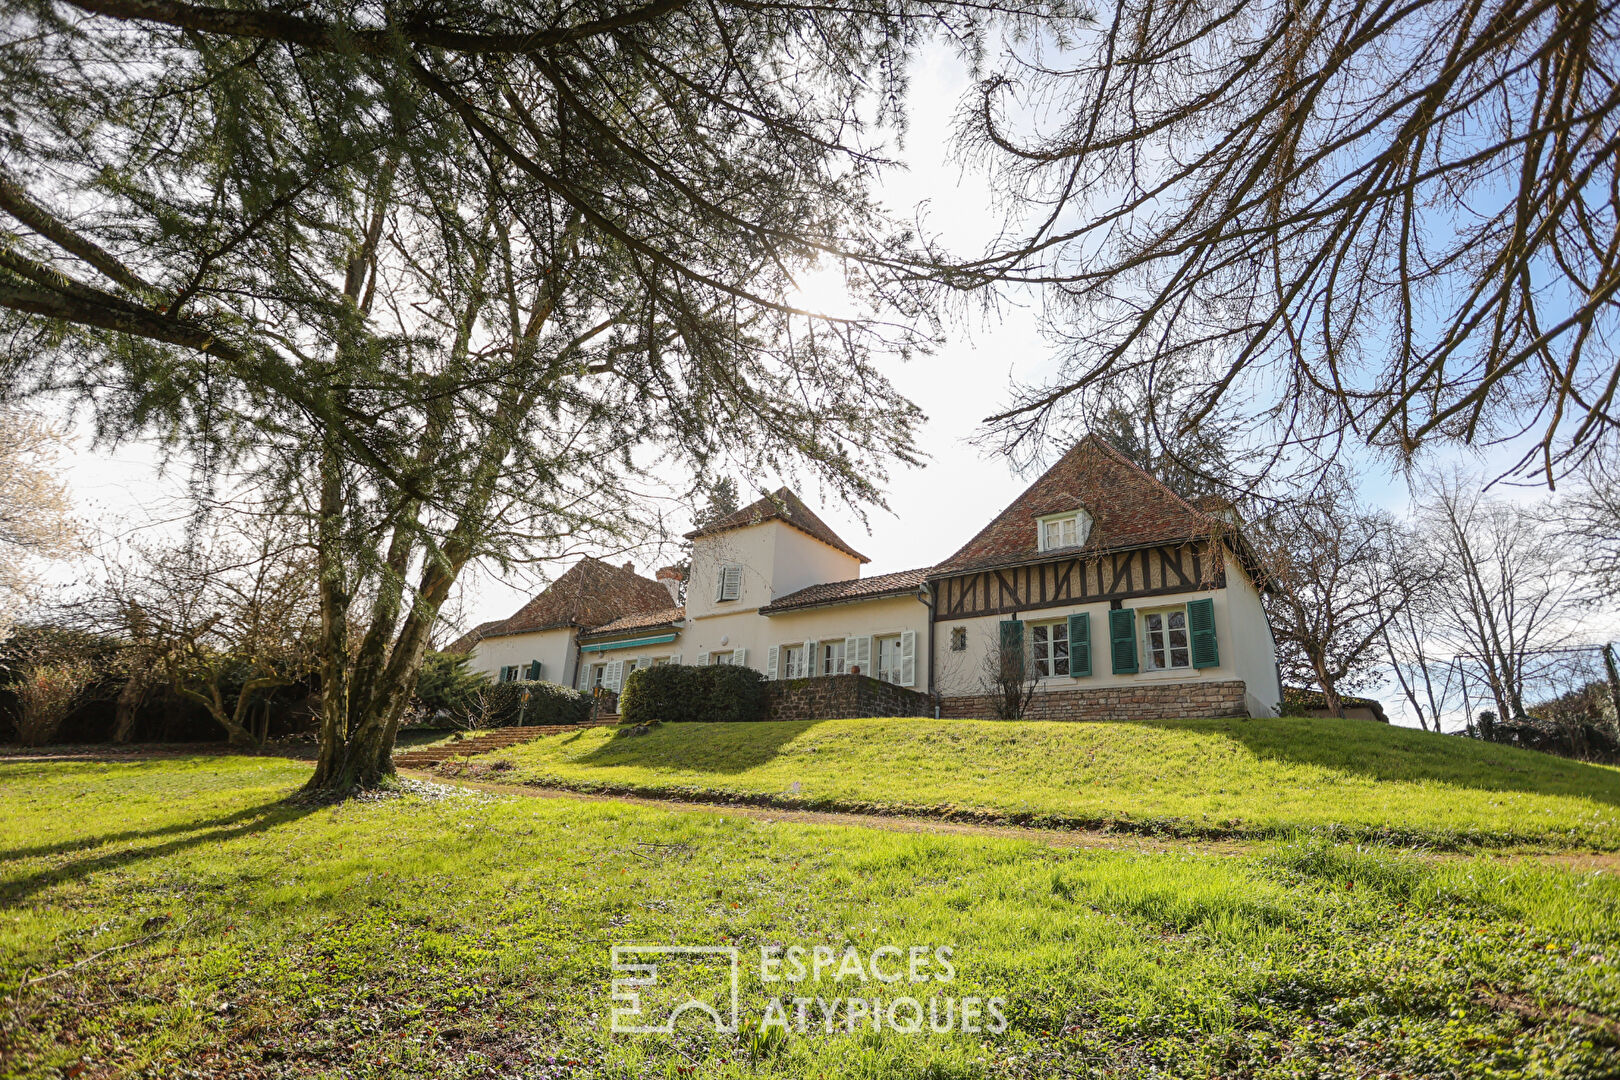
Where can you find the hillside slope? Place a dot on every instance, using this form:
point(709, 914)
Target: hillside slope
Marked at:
point(1216, 777)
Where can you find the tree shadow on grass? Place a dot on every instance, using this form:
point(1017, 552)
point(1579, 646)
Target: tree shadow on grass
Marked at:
point(80, 843)
point(210, 831)
point(1403, 755)
point(722, 749)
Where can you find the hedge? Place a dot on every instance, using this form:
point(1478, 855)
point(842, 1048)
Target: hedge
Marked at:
point(549, 703)
point(677, 693)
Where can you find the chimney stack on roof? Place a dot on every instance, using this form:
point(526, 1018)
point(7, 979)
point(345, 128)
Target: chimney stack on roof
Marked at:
point(672, 576)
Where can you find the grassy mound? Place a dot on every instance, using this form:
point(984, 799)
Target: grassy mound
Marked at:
point(174, 918)
point(1198, 777)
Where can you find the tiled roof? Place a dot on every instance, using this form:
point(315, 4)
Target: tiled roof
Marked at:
point(780, 505)
point(466, 641)
point(591, 593)
point(646, 620)
point(843, 592)
point(1128, 509)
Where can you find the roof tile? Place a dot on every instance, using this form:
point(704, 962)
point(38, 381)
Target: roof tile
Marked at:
point(781, 505)
point(1128, 508)
point(843, 592)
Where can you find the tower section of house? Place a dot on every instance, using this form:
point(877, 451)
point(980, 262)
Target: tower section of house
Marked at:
point(540, 639)
point(1128, 602)
point(744, 562)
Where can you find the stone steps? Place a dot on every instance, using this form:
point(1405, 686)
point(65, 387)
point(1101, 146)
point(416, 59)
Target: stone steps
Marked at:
point(485, 742)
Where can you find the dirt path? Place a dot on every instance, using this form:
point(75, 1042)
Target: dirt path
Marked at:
point(1063, 838)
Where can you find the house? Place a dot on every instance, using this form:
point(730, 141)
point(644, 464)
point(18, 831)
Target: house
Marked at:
point(1129, 602)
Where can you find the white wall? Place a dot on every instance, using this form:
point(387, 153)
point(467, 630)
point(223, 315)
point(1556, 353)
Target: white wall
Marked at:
point(1256, 659)
point(866, 618)
point(1243, 640)
point(553, 648)
point(776, 558)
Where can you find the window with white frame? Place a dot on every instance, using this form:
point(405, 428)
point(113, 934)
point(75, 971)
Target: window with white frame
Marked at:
point(1063, 530)
point(720, 659)
point(1167, 641)
point(1049, 648)
point(888, 658)
point(832, 657)
point(729, 585)
point(510, 673)
point(793, 662)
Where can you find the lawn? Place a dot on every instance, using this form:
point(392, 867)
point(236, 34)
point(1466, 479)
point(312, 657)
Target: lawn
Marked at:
point(1260, 778)
point(176, 918)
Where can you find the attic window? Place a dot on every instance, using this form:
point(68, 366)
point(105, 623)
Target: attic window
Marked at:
point(729, 584)
point(1068, 530)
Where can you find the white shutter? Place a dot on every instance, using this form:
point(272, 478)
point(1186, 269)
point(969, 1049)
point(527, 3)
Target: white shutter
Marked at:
point(676, 659)
point(702, 659)
point(739, 658)
point(811, 668)
point(614, 675)
point(908, 657)
point(771, 658)
point(858, 653)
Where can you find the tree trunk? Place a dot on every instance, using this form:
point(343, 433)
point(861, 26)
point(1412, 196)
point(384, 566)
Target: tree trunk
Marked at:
point(127, 706)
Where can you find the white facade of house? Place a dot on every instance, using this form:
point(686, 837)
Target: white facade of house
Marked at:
point(790, 602)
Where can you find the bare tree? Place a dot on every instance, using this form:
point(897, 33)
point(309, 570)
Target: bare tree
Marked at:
point(34, 508)
point(1398, 224)
point(1507, 597)
point(1009, 677)
point(1592, 514)
point(221, 619)
point(1428, 679)
point(48, 688)
point(1339, 576)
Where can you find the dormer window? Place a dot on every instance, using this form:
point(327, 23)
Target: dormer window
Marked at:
point(1068, 530)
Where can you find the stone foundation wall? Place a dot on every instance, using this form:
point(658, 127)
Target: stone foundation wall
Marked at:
point(1161, 701)
point(841, 697)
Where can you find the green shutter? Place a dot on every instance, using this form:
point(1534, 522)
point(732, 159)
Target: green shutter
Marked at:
point(1012, 635)
point(1122, 636)
point(1201, 623)
point(1079, 645)
point(534, 670)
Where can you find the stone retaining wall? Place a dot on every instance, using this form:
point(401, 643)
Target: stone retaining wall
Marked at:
point(841, 697)
point(1163, 701)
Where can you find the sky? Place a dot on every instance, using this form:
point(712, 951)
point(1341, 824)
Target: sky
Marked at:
point(932, 510)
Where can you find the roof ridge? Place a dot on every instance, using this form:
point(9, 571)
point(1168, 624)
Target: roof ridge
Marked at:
point(1121, 458)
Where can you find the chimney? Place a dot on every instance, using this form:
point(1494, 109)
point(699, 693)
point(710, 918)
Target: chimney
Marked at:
point(672, 577)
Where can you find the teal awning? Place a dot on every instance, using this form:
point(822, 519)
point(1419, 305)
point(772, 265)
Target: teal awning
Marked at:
point(630, 644)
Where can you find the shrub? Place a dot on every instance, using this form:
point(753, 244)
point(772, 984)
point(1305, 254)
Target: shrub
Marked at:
point(549, 703)
point(447, 687)
point(681, 694)
point(46, 693)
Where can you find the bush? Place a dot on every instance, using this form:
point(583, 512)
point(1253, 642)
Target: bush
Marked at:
point(680, 694)
point(446, 686)
point(548, 703)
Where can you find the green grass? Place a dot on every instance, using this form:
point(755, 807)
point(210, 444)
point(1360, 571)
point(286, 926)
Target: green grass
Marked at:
point(173, 918)
point(1199, 777)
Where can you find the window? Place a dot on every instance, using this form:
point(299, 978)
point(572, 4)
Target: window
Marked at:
point(1167, 638)
point(729, 586)
point(793, 661)
point(958, 639)
point(1049, 648)
point(597, 676)
point(720, 659)
point(888, 659)
point(510, 673)
point(832, 658)
point(1063, 530)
